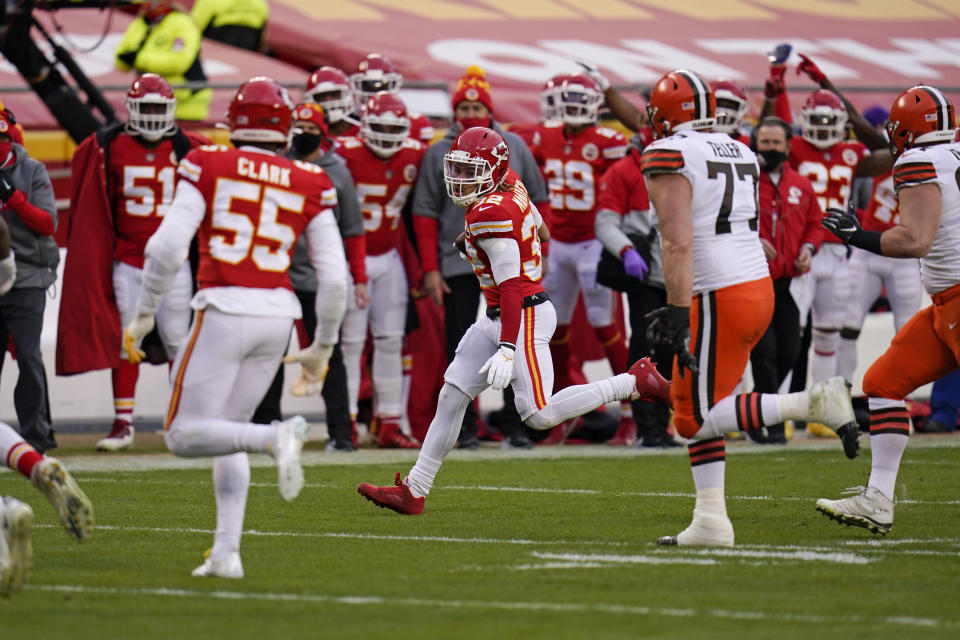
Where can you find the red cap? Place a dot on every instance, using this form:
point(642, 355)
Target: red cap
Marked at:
point(473, 86)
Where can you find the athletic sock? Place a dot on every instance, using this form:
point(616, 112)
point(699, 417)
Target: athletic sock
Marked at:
point(22, 458)
point(124, 378)
point(889, 434)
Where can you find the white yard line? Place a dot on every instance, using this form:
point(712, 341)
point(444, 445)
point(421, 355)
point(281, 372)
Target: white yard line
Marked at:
point(487, 605)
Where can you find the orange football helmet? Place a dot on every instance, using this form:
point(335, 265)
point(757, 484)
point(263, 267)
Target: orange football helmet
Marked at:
point(681, 101)
point(920, 115)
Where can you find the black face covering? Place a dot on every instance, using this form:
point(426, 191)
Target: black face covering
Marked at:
point(770, 159)
point(306, 143)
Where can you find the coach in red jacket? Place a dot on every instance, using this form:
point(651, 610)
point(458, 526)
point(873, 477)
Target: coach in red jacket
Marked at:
point(790, 233)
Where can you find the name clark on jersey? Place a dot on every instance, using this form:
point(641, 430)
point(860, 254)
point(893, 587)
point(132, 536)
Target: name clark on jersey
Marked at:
point(725, 150)
point(263, 171)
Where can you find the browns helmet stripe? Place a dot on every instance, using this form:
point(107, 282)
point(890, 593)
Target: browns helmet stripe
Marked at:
point(944, 111)
point(700, 93)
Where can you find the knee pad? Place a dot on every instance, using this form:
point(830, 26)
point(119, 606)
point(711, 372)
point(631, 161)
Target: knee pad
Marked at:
point(825, 341)
point(538, 421)
point(388, 344)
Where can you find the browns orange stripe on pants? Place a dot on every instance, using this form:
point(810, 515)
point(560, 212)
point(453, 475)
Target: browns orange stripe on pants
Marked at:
point(178, 381)
point(725, 325)
point(533, 366)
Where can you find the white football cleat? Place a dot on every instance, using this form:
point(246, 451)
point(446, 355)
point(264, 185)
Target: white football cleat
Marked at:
point(291, 434)
point(120, 437)
point(869, 509)
point(228, 566)
point(70, 502)
point(16, 523)
point(706, 530)
point(830, 404)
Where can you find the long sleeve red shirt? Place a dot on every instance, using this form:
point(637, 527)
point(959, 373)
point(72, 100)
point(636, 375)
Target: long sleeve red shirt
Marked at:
point(789, 218)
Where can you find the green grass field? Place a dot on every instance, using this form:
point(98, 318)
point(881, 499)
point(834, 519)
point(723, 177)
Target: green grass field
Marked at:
point(554, 543)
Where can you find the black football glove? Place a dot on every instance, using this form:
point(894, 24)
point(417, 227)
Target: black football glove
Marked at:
point(842, 223)
point(6, 186)
point(128, 58)
point(670, 326)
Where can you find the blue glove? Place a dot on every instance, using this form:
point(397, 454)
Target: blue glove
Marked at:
point(635, 265)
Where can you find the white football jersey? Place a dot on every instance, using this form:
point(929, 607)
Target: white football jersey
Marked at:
point(938, 164)
point(723, 175)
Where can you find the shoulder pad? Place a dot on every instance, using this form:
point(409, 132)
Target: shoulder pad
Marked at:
point(412, 143)
point(307, 166)
point(350, 142)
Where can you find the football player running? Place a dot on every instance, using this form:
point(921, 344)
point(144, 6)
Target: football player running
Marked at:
point(925, 178)
point(575, 153)
point(720, 298)
point(510, 343)
point(384, 163)
point(830, 162)
point(248, 205)
point(125, 175)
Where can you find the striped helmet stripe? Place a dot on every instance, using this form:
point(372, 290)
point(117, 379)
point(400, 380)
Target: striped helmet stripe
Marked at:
point(700, 92)
point(944, 117)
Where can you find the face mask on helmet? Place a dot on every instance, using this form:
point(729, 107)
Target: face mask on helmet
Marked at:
point(384, 134)
point(823, 129)
point(578, 107)
point(729, 116)
point(337, 103)
point(467, 178)
point(548, 105)
point(151, 117)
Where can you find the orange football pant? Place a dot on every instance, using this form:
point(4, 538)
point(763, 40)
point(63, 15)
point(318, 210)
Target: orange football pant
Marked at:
point(925, 349)
point(725, 325)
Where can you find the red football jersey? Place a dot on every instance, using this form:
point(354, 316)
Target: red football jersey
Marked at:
point(257, 204)
point(829, 171)
point(142, 184)
point(883, 212)
point(573, 167)
point(505, 213)
point(383, 187)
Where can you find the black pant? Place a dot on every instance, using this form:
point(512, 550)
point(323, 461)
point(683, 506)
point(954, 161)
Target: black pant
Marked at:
point(335, 397)
point(779, 348)
point(651, 417)
point(237, 36)
point(21, 315)
point(459, 312)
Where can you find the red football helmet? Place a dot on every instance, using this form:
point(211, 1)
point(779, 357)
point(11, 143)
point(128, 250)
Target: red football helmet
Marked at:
point(330, 88)
point(577, 98)
point(920, 115)
point(823, 119)
point(374, 74)
point(731, 100)
point(681, 101)
point(151, 107)
point(476, 164)
point(261, 111)
point(384, 124)
point(312, 112)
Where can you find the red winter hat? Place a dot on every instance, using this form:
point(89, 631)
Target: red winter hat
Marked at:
point(312, 112)
point(473, 86)
point(9, 126)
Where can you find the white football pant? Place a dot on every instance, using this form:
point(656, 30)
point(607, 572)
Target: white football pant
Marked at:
point(831, 293)
point(387, 317)
point(870, 275)
point(572, 268)
point(173, 316)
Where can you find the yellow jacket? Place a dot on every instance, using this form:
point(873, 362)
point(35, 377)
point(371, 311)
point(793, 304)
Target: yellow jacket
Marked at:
point(239, 13)
point(170, 48)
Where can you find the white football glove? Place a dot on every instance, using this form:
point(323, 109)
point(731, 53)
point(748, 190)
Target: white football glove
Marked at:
point(133, 334)
point(499, 368)
point(592, 71)
point(314, 361)
point(8, 273)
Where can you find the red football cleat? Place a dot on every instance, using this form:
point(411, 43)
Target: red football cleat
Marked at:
point(397, 498)
point(391, 437)
point(650, 385)
point(626, 435)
